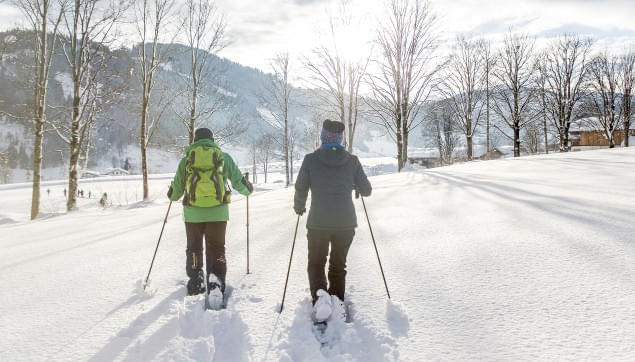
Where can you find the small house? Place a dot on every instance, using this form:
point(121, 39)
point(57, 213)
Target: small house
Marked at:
point(116, 172)
point(588, 133)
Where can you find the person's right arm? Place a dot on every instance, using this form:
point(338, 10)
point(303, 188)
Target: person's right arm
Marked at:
point(302, 184)
point(177, 188)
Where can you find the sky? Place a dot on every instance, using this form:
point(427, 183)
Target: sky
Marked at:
point(260, 29)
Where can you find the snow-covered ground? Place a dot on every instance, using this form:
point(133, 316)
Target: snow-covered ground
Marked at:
point(514, 259)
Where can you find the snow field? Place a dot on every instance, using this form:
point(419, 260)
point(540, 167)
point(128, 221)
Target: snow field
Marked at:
point(515, 259)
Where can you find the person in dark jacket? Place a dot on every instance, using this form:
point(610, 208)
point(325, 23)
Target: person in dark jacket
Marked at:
point(331, 173)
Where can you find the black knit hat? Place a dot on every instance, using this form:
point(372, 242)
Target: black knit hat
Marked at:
point(203, 133)
point(333, 126)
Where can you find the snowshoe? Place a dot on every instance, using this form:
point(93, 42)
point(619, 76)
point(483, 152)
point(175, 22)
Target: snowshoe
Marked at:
point(215, 299)
point(340, 312)
point(196, 285)
point(322, 308)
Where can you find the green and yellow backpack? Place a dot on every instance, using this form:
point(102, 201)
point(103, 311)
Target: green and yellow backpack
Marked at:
point(205, 184)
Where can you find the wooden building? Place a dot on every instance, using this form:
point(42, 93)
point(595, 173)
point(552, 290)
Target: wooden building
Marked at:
point(587, 133)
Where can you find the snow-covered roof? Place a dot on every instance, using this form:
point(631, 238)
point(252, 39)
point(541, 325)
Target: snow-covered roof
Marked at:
point(115, 170)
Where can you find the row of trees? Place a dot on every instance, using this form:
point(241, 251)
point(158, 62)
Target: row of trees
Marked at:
point(83, 30)
point(533, 91)
point(514, 88)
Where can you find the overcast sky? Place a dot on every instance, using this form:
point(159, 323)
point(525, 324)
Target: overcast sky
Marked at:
point(261, 28)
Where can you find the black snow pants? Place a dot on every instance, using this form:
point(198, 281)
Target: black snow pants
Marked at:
point(319, 240)
point(214, 234)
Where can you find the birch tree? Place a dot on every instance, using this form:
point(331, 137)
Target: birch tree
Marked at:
point(204, 29)
point(515, 92)
point(404, 74)
point(462, 82)
point(88, 25)
point(564, 68)
point(277, 96)
point(44, 18)
point(152, 17)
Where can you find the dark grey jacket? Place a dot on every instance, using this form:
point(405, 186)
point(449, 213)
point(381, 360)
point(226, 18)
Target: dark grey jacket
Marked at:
point(331, 175)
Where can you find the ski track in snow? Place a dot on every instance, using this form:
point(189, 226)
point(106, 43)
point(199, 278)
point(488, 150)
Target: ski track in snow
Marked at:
point(517, 259)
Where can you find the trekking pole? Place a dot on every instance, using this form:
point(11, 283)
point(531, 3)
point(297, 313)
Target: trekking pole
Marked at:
point(157, 248)
point(289, 268)
point(375, 244)
point(247, 178)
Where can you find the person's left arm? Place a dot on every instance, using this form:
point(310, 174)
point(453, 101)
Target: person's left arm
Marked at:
point(232, 173)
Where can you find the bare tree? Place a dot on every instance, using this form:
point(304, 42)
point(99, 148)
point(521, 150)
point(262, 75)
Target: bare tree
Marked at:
point(204, 30)
point(604, 97)
point(628, 78)
point(265, 148)
point(151, 19)
point(531, 137)
point(337, 76)
point(44, 17)
point(462, 82)
point(541, 85)
point(515, 93)
point(489, 61)
point(407, 42)
point(441, 125)
point(564, 69)
point(277, 95)
point(88, 26)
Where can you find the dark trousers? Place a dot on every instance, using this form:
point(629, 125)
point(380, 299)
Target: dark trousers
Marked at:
point(214, 234)
point(340, 242)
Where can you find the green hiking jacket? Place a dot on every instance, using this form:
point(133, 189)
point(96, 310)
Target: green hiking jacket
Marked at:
point(231, 172)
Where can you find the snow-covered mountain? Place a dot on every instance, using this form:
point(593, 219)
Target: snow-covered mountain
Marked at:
point(514, 259)
point(239, 87)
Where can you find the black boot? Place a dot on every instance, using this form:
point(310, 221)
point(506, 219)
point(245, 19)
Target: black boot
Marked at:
point(196, 285)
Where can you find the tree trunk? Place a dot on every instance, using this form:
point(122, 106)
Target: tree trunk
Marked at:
point(37, 164)
point(286, 150)
point(544, 126)
point(193, 114)
point(73, 174)
point(404, 154)
point(627, 127)
point(86, 154)
point(254, 176)
point(143, 144)
point(75, 146)
point(399, 151)
point(516, 140)
point(487, 142)
point(469, 147)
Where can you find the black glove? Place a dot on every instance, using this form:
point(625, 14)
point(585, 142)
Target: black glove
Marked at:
point(170, 192)
point(299, 212)
point(248, 185)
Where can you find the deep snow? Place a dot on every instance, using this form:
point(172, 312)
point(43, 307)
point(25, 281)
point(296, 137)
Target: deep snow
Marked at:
point(527, 258)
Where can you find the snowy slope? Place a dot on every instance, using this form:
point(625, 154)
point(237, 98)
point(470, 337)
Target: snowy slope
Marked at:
point(512, 259)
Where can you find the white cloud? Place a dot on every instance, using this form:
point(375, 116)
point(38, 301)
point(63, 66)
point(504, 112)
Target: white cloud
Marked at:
point(260, 29)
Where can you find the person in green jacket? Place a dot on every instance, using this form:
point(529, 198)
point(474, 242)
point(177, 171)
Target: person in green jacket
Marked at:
point(203, 185)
